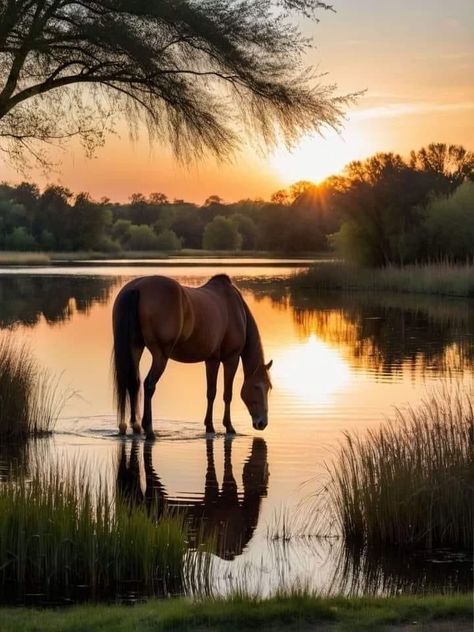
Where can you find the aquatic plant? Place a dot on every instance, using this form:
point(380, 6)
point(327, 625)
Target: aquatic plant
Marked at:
point(30, 399)
point(58, 532)
point(410, 482)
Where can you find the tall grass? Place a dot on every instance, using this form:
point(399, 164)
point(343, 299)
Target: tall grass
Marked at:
point(57, 533)
point(410, 482)
point(30, 401)
point(24, 258)
point(444, 278)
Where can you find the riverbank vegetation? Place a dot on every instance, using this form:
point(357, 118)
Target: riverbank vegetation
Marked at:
point(380, 211)
point(443, 278)
point(61, 536)
point(30, 400)
point(409, 483)
point(285, 612)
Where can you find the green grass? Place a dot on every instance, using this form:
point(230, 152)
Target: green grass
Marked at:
point(410, 482)
point(57, 532)
point(280, 613)
point(446, 279)
point(30, 402)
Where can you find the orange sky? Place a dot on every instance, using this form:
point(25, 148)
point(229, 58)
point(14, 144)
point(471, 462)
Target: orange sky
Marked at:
point(417, 67)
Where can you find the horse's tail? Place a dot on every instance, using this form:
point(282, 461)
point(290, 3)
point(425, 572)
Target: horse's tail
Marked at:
point(127, 331)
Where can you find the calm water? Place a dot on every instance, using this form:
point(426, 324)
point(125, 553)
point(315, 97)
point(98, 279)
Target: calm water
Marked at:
point(341, 362)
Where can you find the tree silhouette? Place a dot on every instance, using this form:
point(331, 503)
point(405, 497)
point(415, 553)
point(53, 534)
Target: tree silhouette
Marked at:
point(198, 74)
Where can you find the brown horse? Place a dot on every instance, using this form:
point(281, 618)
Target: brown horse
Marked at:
point(210, 324)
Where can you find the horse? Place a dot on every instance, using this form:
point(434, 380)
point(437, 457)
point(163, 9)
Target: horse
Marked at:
point(211, 324)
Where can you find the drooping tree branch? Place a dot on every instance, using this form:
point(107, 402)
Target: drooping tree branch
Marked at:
point(200, 73)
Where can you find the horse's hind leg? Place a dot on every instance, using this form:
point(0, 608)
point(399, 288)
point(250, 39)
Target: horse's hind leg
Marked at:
point(158, 365)
point(134, 388)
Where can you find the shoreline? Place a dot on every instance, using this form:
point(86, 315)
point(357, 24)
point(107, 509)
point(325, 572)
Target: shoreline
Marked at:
point(294, 612)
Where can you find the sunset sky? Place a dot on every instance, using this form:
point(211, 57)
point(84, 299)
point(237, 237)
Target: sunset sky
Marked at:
point(414, 59)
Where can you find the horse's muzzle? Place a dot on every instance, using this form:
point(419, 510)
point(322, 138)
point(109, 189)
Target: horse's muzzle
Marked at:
point(259, 424)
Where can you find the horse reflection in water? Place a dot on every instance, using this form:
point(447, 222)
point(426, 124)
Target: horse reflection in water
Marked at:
point(221, 516)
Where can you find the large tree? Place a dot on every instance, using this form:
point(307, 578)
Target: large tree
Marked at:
point(198, 72)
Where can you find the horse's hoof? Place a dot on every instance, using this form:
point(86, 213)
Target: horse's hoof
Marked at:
point(137, 427)
point(122, 429)
point(150, 436)
point(230, 432)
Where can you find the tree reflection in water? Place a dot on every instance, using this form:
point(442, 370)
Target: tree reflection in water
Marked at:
point(222, 517)
point(25, 299)
point(381, 332)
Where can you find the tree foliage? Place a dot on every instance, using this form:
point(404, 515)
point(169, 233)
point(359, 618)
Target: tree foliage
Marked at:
point(199, 74)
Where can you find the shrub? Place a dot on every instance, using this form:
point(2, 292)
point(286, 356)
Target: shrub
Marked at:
point(20, 239)
point(142, 238)
point(168, 240)
point(221, 234)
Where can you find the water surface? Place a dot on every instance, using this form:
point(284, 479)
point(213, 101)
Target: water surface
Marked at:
point(341, 362)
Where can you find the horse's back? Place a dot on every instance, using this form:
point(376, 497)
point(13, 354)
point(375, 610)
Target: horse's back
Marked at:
point(190, 324)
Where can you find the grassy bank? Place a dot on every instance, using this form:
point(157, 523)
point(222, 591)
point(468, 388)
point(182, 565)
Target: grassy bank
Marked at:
point(57, 533)
point(445, 279)
point(49, 258)
point(281, 613)
point(409, 483)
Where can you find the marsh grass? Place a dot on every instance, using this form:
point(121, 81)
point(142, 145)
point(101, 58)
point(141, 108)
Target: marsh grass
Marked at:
point(30, 399)
point(24, 258)
point(57, 533)
point(409, 483)
point(443, 278)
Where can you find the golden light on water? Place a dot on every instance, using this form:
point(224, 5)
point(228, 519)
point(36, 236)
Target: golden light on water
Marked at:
point(312, 371)
point(317, 157)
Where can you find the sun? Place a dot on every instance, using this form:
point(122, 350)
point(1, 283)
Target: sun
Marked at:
point(313, 372)
point(317, 157)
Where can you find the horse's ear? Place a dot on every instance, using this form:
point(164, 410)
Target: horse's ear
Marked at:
point(269, 365)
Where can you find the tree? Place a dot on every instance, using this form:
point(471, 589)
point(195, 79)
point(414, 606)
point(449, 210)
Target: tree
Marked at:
point(280, 197)
point(247, 229)
point(197, 74)
point(167, 240)
point(142, 238)
point(221, 234)
point(449, 165)
point(300, 188)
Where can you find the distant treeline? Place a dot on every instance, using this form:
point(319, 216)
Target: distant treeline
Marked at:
point(381, 210)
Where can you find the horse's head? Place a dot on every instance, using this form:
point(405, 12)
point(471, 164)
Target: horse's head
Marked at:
point(255, 395)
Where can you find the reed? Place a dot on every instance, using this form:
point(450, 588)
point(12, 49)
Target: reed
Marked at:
point(58, 533)
point(443, 278)
point(30, 399)
point(410, 482)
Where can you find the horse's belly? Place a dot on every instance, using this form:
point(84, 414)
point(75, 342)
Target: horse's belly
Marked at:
point(194, 351)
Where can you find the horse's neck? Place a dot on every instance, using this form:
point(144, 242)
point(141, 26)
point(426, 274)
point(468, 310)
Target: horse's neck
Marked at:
point(252, 354)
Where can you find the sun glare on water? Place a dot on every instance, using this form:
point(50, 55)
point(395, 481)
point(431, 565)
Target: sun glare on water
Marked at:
point(317, 157)
point(313, 371)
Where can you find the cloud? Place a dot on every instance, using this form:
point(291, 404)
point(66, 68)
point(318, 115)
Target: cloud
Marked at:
point(395, 110)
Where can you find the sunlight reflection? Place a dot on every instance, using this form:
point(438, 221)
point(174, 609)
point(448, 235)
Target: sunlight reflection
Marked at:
point(313, 371)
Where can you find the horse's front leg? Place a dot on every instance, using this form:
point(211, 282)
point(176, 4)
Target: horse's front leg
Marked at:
point(158, 365)
point(212, 369)
point(230, 369)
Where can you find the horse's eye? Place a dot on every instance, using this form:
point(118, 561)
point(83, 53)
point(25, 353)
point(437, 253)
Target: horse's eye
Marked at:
point(256, 386)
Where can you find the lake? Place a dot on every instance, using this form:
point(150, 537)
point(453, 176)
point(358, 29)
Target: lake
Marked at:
point(341, 362)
